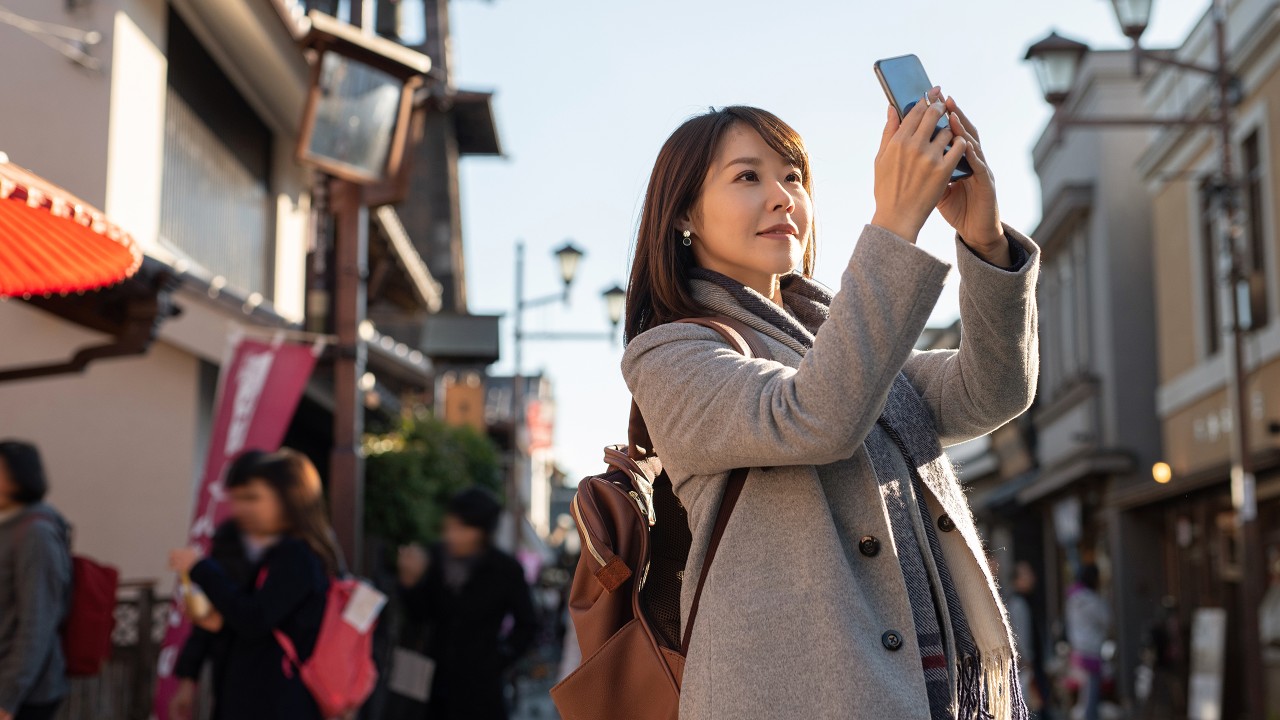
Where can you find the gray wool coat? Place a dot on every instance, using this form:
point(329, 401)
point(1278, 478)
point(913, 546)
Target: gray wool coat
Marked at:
point(793, 616)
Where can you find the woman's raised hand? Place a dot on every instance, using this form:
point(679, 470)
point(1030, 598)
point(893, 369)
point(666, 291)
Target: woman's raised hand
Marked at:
point(969, 205)
point(912, 170)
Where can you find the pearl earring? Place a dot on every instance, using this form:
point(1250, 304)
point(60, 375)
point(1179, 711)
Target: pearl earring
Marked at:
point(687, 240)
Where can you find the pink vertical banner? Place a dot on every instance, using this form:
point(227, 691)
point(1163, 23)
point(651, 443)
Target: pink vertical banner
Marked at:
point(259, 388)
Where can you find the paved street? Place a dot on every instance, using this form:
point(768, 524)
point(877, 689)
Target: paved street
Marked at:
point(535, 702)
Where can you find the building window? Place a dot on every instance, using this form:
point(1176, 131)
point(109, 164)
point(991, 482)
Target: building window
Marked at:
point(216, 200)
point(1049, 333)
point(1208, 267)
point(1255, 226)
point(1067, 313)
point(1064, 314)
point(1079, 255)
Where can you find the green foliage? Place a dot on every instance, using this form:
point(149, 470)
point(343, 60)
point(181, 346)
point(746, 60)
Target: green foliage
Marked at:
point(413, 471)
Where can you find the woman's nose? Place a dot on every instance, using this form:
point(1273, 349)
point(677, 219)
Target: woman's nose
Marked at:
point(784, 199)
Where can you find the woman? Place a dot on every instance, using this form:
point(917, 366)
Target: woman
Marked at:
point(280, 510)
point(465, 590)
point(213, 644)
point(850, 581)
point(35, 585)
point(1088, 623)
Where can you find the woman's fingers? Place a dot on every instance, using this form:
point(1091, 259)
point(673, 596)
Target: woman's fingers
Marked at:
point(891, 124)
point(977, 158)
point(911, 122)
point(929, 122)
point(955, 108)
point(943, 138)
point(952, 157)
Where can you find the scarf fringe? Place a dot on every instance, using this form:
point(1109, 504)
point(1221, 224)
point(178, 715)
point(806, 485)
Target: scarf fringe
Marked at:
point(989, 689)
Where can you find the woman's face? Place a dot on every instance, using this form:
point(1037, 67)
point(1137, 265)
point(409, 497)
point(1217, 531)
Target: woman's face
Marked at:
point(461, 539)
point(257, 509)
point(754, 215)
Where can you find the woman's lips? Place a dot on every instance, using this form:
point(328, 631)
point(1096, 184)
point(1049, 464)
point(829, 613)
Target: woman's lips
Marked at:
point(777, 235)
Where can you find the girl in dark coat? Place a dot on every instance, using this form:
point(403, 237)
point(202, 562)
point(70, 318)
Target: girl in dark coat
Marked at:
point(280, 509)
point(465, 588)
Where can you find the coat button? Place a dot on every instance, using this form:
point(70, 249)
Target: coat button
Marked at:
point(869, 546)
point(892, 640)
point(945, 524)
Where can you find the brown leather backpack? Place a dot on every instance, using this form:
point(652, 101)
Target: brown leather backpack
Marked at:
point(625, 598)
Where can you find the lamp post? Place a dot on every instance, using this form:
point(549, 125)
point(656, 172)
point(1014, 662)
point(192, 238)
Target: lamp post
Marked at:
point(354, 131)
point(1057, 60)
point(615, 298)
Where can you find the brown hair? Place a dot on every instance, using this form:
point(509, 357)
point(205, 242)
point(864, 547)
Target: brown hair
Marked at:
point(659, 288)
point(296, 482)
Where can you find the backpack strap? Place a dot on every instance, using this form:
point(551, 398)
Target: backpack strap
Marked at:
point(747, 341)
point(737, 479)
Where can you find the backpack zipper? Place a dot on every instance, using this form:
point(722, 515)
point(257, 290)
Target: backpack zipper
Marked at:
point(586, 532)
point(645, 512)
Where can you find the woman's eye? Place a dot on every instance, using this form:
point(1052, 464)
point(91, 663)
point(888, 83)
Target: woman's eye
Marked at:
point(749, 175)
point(793, 177)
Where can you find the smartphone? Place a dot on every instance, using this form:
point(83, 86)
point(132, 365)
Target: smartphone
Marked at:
point(905, 82)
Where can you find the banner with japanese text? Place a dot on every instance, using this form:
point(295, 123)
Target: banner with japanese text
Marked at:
point(259, 388)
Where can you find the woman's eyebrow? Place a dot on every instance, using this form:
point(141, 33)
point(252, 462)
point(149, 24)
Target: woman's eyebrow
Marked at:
point(753, 161)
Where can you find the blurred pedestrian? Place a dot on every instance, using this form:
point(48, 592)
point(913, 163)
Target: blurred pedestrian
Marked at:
point(207, 642)
point(465, 588)
point(1088, 623)
point(1026, 632)
point(35, 587)
point(279, 506)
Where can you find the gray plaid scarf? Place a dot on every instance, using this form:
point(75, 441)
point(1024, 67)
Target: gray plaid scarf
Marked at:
point(958, 685)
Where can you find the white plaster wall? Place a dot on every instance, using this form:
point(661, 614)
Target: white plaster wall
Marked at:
point(117, 440)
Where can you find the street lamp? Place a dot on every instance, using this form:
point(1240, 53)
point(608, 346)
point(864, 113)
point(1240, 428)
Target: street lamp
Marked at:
point(354, 131)
point(357, 113)
point(1056, 60)
point(1057, 77)
point(1133, 16)
point(568, 256)
point(615, 299)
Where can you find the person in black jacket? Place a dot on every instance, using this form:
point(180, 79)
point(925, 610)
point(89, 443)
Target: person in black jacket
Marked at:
point(465, 588)
point(280, 509)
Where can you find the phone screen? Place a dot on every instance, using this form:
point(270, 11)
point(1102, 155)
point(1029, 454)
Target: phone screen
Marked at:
point(906, 83)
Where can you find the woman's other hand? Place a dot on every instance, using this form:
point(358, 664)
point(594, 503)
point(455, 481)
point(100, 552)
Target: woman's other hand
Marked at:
point(182, 560)
point(969, 205)
point(912, 170)
point(182, 704)
point(211, 622)
point(411, 564)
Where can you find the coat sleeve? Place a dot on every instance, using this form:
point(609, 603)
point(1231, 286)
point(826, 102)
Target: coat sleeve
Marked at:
point(991, 378)
point(290, 578)
point(525, 627)
point(194, 652)
point(709, 409)
point(42, 578)
point(417, 600)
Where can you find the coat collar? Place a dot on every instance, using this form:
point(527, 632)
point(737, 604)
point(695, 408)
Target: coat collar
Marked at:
point(807, 304)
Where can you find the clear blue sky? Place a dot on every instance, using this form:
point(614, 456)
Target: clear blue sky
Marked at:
point(587, 91)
